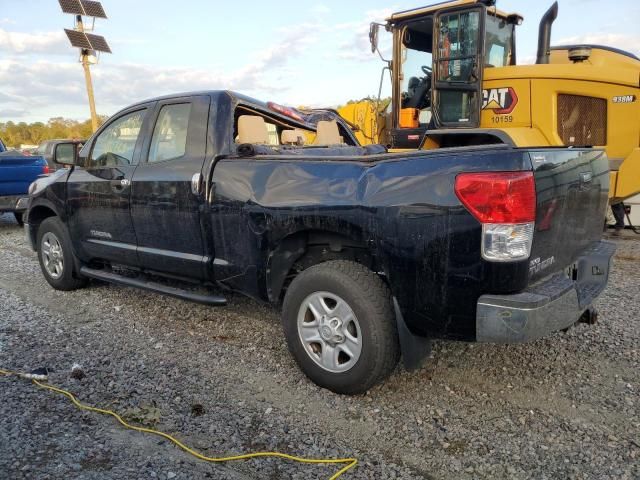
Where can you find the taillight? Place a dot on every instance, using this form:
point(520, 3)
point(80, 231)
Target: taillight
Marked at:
point(505, 204)
point(498, 197)
point(46, 170)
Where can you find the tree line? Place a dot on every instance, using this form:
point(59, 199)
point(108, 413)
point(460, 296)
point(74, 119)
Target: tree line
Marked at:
point(15, 134)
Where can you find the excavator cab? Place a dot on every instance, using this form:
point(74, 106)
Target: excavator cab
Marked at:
point(438, 62)
point(456, 82)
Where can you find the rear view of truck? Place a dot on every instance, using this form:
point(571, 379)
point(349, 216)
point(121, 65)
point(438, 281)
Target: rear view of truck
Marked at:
point(548, 221)
point(489, 244)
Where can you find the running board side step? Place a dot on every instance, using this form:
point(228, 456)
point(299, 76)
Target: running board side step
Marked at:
point(213, 300)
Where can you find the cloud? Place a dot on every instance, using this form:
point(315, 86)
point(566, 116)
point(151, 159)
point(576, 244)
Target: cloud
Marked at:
point(19, 43)
point(7, 21)
point(357, 48)
point(623, 41)
point(41, 81)
point(12, 113)
point(48, 84)
point(320, 9)
point(5, 97)
point(526, 59)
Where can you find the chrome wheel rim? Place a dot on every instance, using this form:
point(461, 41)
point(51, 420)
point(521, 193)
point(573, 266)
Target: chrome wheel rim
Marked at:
point(52, 257)
point(329, 331)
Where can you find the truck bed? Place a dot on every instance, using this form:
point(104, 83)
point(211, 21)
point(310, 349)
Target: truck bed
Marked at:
point(18, 171)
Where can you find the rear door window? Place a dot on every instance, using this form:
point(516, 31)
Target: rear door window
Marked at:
point(169, 140)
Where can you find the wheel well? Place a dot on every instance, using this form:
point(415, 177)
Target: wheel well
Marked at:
point(301, 250)
point(38, 214)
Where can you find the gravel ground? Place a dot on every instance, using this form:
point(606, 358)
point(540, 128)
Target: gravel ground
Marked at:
point(221, 380)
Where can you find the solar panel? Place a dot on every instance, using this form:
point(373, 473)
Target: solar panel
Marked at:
point(71, 6)
point(78, 39)
point(93, 9)
point(98, 43)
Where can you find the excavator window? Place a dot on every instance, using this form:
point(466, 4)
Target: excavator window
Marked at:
point(457, 69)
point(415, 77)
point(498, 42)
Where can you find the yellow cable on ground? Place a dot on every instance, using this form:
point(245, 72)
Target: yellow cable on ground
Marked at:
point(350, 462)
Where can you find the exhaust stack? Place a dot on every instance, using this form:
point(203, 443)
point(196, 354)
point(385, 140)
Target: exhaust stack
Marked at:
point(544, 33)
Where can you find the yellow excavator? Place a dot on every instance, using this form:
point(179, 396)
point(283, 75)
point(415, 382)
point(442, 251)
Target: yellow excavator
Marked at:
point(455, 81)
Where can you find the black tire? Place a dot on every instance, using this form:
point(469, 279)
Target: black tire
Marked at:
point(19, 219)
point(370, 300)
point(68, 279)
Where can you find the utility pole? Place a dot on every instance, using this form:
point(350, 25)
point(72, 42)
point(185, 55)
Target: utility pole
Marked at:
point(89, 45)
point(84, 58)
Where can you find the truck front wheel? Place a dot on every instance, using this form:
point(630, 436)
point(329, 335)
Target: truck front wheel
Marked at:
point(56, 257)
point(339, 325)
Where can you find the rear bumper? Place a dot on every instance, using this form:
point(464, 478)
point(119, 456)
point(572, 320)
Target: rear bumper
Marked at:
point(13, 203)
point(550, 305)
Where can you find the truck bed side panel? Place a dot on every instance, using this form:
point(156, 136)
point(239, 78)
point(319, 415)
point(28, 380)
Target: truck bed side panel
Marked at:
point(423, 239)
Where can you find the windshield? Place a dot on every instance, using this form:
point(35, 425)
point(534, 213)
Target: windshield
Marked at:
point(498, 42)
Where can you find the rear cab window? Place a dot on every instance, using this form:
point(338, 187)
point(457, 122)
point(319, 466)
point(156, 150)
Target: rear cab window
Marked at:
point(275, 126)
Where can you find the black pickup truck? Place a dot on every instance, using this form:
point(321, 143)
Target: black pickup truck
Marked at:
point(369, 253)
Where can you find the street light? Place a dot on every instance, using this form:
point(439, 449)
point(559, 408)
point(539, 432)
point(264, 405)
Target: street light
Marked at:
point(90, 45)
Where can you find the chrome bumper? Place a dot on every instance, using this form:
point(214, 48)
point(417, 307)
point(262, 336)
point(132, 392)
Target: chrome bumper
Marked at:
point(553, 304)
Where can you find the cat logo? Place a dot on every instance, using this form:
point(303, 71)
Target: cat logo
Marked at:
point(501, 100)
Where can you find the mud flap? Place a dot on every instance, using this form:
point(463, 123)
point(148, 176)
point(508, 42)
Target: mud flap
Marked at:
point(413, 347)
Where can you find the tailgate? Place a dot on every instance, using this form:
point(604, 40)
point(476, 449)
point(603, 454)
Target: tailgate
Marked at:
point(572, 189)
point(18, 171)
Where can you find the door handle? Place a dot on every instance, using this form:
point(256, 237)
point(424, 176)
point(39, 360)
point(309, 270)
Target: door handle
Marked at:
point(120, 183)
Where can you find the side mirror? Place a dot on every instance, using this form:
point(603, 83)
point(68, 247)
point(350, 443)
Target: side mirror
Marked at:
point(66, 153)
point(373, 36)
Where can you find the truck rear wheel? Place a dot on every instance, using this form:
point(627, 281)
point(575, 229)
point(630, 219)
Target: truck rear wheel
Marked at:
point(339, 325)
point(56, 257)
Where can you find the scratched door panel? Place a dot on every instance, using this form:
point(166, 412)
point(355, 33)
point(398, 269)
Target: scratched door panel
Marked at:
point(99, 191)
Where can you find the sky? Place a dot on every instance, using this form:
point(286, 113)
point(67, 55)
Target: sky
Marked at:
point(314, 53)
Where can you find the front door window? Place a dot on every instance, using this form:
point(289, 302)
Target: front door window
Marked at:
point(116, 144)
